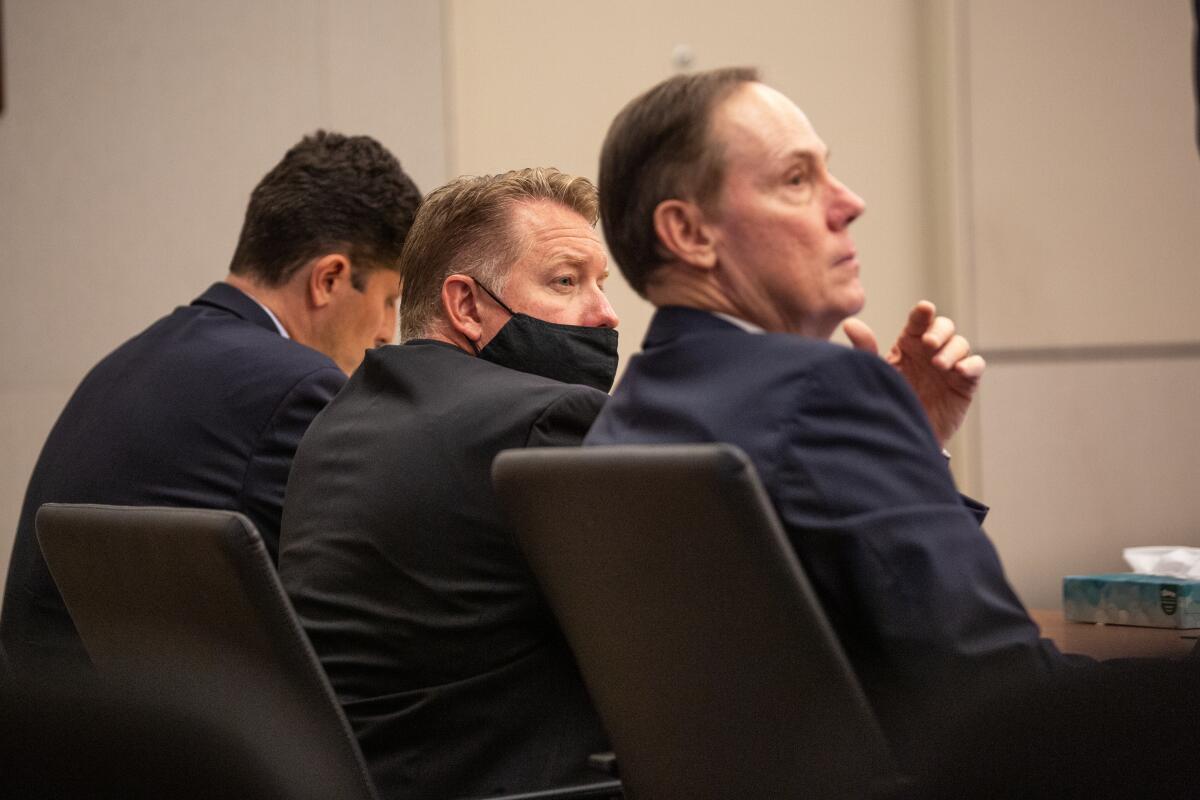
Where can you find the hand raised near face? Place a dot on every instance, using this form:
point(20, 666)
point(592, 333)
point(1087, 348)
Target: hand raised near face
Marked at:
point(936, 362)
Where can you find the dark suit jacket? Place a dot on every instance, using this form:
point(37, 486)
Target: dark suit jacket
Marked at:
point(204, 408)
point(910, 583)
point(412, 587)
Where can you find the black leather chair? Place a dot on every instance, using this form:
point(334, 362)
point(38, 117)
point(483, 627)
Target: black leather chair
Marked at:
point(67, 740)
point(705, 650)
point(198, 650)
point(183, 616)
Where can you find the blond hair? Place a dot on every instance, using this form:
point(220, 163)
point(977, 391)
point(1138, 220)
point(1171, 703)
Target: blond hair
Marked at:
point(465, 227)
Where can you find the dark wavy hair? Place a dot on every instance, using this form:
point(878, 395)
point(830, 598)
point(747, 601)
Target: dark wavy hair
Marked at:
point(330, 193)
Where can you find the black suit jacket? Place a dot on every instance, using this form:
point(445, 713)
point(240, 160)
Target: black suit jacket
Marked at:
point(204, 408)
point(910, 583)
point(412, 587)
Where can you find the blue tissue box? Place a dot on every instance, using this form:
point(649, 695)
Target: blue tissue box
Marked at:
point(1126, 598)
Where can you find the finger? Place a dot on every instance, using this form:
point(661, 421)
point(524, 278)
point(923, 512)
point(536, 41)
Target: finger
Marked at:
point(919, 318)
point(952, 352)
point(971, 368)
point(861, 336)
point(938, 333)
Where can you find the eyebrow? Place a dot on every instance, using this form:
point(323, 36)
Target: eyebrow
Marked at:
point(811, 156)
point(570, 259)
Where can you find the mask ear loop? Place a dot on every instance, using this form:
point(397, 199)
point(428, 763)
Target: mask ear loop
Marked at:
point(499, 302)
point(492, 295)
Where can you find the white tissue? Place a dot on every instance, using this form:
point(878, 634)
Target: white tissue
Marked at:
point(1175, 562)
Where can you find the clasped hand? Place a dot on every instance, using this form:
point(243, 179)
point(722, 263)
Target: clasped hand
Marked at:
point(936, 362)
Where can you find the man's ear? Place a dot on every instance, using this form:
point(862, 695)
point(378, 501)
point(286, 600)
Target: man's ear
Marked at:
point(684, 232)
point(329, 274)
point(461, 307)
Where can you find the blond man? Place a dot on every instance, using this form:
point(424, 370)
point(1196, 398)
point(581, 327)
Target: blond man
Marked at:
point(441, 648)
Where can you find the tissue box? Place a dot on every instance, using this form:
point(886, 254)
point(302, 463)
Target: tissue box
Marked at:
point(1126, 598)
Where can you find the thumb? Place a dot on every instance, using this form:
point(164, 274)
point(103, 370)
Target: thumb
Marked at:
point(861, 336)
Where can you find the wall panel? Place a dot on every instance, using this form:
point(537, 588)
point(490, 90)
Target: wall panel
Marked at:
point(1084, 458)
point(537, 82)
point(132, 135)
point(1085, 172)
point(1085, 200)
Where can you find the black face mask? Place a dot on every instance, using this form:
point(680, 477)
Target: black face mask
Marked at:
point(567, 353)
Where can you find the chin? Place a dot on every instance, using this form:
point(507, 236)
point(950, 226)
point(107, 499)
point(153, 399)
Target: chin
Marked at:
point(855, 302)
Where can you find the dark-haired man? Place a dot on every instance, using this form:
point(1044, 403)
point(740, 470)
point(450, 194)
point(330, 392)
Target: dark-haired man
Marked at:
point(205, 408)
point(394, 552)
point(720, 208)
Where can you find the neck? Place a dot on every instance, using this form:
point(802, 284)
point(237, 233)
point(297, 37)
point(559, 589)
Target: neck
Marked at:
point(444, 332)
point(286, 302)
point(681, 285)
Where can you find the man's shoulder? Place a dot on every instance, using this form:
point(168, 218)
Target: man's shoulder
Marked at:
point(439, 366)
point(410, 392)
point(729, 376)
point(767, 354)
point(205, 332)
point(199, 352)
point(546, 390)
point(828, 374)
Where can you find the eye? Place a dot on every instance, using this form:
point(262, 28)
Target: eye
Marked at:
point(565, 281)
point(798, 178)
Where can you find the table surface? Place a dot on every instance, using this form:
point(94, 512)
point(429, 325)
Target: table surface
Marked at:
point(1113, 641)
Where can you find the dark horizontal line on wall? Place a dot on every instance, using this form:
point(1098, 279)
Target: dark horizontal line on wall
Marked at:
point(1100, 352)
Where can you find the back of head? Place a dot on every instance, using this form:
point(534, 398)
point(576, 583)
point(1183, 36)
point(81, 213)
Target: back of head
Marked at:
point(465, 227)
point(659, 147)
point(330, 193)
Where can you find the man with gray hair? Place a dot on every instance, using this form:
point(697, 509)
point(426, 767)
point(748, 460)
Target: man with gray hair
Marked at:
point(722, 211)
point(444, 654)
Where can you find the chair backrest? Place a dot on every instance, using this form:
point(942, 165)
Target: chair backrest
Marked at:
point(182, 610)
point(706, 652)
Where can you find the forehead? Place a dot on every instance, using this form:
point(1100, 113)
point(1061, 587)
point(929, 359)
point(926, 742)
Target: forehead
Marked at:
point(552, 232)
point(759, 125)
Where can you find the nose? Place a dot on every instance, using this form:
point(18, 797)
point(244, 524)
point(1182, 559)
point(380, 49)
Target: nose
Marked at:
point(845, 207)
point(601, 313)
point(386, 334)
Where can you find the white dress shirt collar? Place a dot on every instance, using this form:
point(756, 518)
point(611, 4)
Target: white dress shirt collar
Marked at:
point(749, 327)
point(278, 325)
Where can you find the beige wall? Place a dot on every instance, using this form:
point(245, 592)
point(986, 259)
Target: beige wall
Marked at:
point(1086, 181)
point(538, 81)
point(1084, 220)
point(1027, 164)
point(1082, 458)
point(133, 133)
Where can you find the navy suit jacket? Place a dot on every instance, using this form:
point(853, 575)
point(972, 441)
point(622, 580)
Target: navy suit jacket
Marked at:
point(910, 583)
point(413, 588)
point(204, 409)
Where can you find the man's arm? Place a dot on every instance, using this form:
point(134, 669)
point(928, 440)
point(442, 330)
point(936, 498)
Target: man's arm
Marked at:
point(271, 462)
point(567, 419)
point(898, 560)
